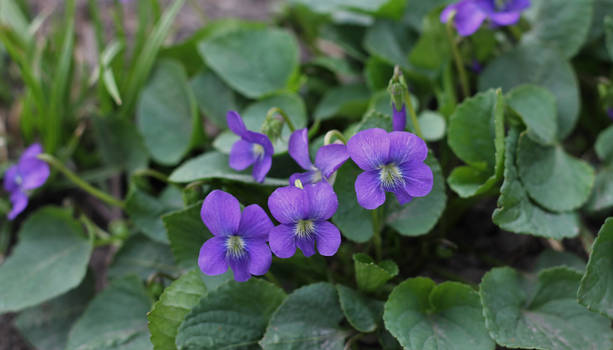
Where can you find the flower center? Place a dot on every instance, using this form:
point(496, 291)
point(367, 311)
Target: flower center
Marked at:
point(258, 150)
point(18, 179)
point(235, 246)
point(304, 228)
point(390, 175)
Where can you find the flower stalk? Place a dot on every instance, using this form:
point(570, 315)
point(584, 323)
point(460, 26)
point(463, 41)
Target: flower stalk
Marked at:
point(103, 196)
point(457, 57)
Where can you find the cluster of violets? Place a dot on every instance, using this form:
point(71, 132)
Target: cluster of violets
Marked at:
point(391, 162)
point(468, 15)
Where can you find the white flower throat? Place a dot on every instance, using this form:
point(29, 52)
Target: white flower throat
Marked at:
point(235, 246)
point(390, 175)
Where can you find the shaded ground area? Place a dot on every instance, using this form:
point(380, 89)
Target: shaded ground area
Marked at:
point(193, 16)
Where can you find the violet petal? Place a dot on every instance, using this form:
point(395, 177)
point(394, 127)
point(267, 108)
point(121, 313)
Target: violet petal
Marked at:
point(34, 173)
point(402, 196)
point(399, 120)
point(241, 155)
point(368, 190)
point(212, 258)
point(322, 199)
point(369, 148)
point(240, 268)
point(10, 177)
point(298, 148)
point(19, 200)
point(418, 178)
point(306, 245)
point(309, 177)
point(406, 147)
point(236, 124)
point(260, 256)
point(468, 18)
point(254, 223)
point(221, 213)
point(330, 157)
point(328, 238)
point(31, 152)
point(288, 204)
point(261, 167)
point(282, 241)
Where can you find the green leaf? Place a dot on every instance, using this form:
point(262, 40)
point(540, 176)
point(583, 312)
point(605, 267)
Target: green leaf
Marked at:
point(119, 143)
point(214, 97)
point(537, 108)
point(142, 257)
point(354, 222)
point(604, 145)
point(242, 308)
point(517, 213)
point(255, 115)
point(565, 31)
point(114, 320)
point(362, 312)
point(230, 55)
point(166, 117)
point(602, 9)
point(417, 10)
point(596, 290)
point(424, 316)
point(172, 307)
point(608, 28)
point(390, 42)
point(382, 8)
point(553, 178)
point(420, 215)
point(552, 258)
point(146, 211)
point(346, 101)
point(371, 276)
point(214, 165)
point(186, 233)
point(432, 125)
point(543, 314)
point(308, 319)
point(52, 252)
point(46, 326)
point(602, 193)
point(377, 73)
point(538, 65)
point(476, 135)
point(432, 50)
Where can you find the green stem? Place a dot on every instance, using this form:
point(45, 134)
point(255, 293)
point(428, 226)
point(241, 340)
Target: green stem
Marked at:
point(376, 238)
point(152, 173)
point(273, 279)
point(458, 59)
point(332, 133)
point(409, 104)
point(277, 110)
point(108, 199)
point(314, 128)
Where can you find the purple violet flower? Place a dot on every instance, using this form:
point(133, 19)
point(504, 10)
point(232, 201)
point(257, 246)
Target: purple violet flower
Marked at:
point(328, 159)
point(392, 162)
point(399, 122)
point(304, 214)
point(29, 173)
point(610, 112)
point(239, 240)
point(470, 14)
point(252, 149)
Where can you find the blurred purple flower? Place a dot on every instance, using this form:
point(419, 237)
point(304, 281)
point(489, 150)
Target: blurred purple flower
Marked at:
point(399, 122)
point(470, 14)
point(476, 66)
point(239, 240)
point(252, 149)
point(610, 112)
point(392, 162)
point(328, 159)
point(29, 173)
point(304, 214)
